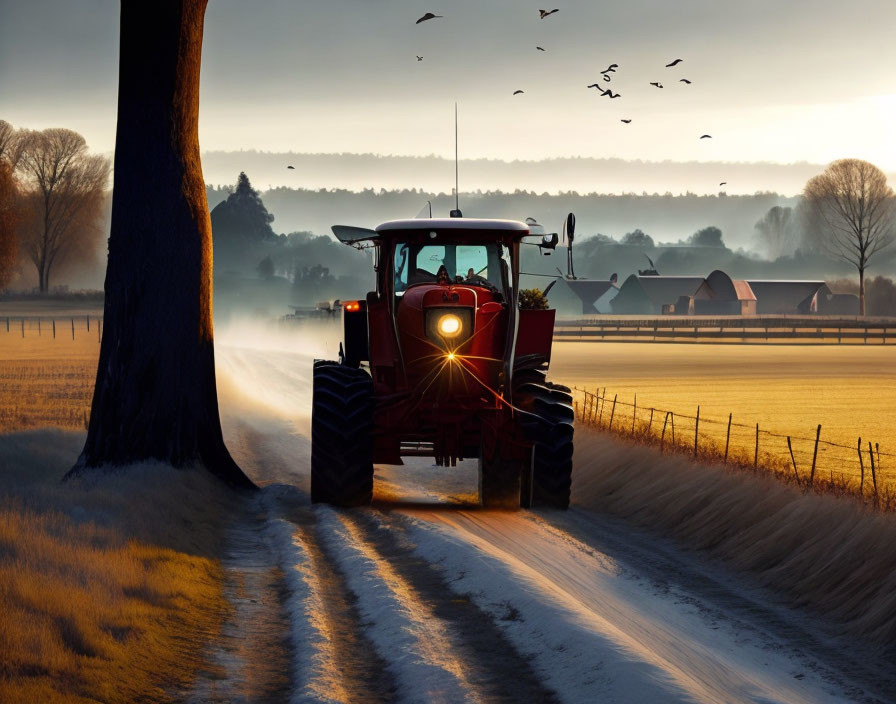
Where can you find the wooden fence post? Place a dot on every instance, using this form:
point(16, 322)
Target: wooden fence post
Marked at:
point(596, 404)
point(634, 414)
point(88, 323)
point(873, 473)
point(73, 328)
point(756, 452)
point(861, 470)
point(672, 419)
point(814, 455)
point(54, 328)
point(38, 328)
point(650, 422)
point(696, 431)
point(612, 412)
point(795, 473)
point(7, 323)
point(23, 327)
point(663, 436)
point(727, 438)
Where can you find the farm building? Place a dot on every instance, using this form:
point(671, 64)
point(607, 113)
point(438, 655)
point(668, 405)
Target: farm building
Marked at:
point(647, 295)
point(719, 294)
point(595, 296)
point(786, 297)
point(830, 303)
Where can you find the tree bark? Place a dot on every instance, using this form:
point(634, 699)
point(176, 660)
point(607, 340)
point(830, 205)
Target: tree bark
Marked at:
point(155, 395)
point(862, 292)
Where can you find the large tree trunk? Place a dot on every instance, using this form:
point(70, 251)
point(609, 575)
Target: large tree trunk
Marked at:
point(155, 395)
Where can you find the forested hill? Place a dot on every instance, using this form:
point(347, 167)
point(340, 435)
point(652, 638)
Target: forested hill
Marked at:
point(664, 217)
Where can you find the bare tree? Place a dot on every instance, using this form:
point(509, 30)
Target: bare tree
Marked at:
point(155, 395)
point(63, 196)
point(777, 231)
point(10, 144)
point(852, 213)
point(10, 205)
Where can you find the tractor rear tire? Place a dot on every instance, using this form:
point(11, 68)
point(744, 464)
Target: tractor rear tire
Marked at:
point(547, 421)
point(499, 484)
point(341, 435)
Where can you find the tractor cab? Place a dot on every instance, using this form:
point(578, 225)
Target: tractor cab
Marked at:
point(439, 361)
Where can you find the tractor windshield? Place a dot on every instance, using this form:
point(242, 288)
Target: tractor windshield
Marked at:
point(485, 265)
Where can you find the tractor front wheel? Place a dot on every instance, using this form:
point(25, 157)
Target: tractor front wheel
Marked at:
point(341, 435)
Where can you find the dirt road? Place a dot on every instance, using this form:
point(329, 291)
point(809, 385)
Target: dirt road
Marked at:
point(425, 597)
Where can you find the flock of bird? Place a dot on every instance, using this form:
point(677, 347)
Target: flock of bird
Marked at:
point(605, 92)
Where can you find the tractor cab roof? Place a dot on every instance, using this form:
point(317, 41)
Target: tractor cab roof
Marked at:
point(455, 224)
point(452, 228)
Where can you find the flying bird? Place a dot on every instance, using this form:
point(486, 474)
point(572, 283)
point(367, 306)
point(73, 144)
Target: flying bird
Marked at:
point(544, 13)
point(610, 94)
point(611, 68)
point(674, 63)
point(419, 58)
point(606, 78)
point(706, 136)
point(539, 48)
point(517, 92)
point(684, 80)
point(290, 167)
point(626, 121)
point(723, 183)
point(427, 16)
point(596, 85)
point(657, 84)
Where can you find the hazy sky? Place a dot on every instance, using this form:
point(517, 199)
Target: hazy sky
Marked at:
point(779, 80)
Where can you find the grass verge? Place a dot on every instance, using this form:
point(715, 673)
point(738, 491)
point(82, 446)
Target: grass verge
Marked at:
point(828, 553)
point(109, 588)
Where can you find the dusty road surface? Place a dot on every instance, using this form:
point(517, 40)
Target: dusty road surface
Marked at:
point(425, 597)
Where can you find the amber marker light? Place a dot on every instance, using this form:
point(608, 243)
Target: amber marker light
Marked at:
point(352, 306)
point(449, 325)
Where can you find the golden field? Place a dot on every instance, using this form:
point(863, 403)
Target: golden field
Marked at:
point(787, 389)
point(102, 598)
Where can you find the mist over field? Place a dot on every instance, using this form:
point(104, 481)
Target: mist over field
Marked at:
point(435, 174)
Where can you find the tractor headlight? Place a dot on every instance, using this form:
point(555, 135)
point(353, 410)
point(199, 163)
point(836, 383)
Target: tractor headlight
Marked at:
point(450, 325)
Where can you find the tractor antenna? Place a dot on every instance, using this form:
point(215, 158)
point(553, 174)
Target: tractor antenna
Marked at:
point(456, 212)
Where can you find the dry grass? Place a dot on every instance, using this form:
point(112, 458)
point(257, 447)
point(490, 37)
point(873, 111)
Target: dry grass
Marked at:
point(109, 590)
point(831, 555)
point(850, 390)
point(46, 382)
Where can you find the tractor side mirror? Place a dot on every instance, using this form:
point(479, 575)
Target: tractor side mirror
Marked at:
point(569, 227)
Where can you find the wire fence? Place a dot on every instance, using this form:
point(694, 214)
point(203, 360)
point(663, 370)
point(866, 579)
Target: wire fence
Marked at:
point(862, 470)
point(56, 327)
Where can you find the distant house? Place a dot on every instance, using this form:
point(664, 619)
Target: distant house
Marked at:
point(786, 297)
point(596, 296)
point(719, 294)
point(647, 295)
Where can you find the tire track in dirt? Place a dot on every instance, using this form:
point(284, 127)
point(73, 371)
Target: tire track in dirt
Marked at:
point(251, 659)
point(451, 632)
point(344, 665)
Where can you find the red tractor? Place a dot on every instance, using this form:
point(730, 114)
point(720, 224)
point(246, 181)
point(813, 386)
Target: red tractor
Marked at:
point(441, 362)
